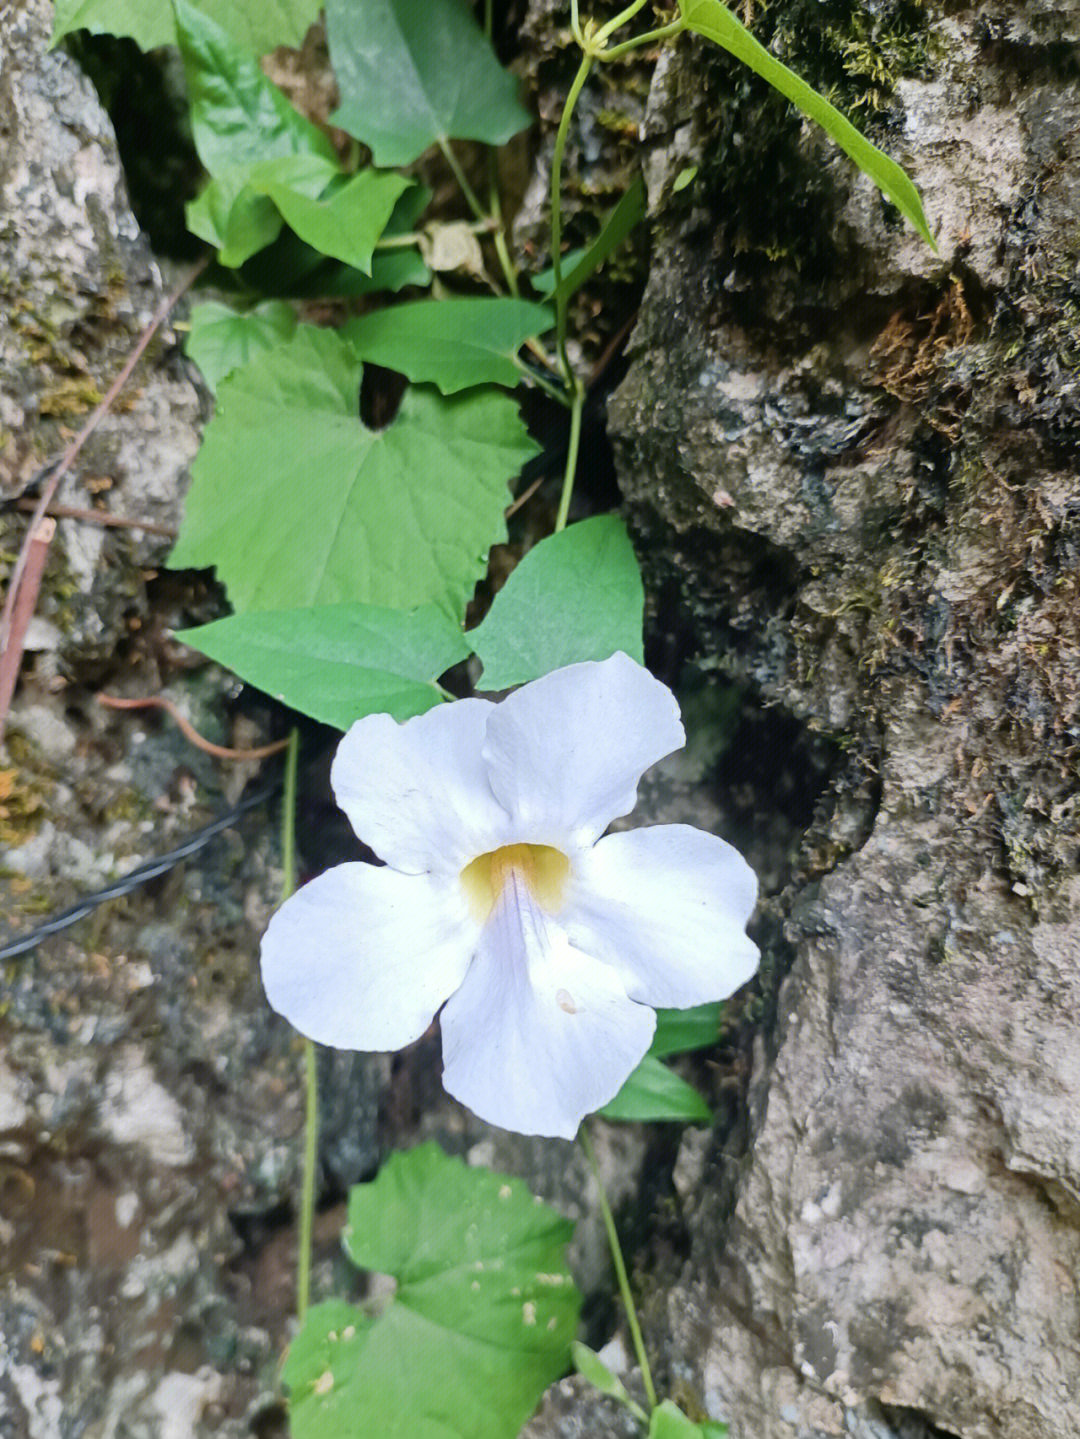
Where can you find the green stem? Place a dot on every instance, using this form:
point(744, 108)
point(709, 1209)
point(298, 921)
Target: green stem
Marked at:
point(288, 817)
point(621, 19)
point(311, 1123)
point(499, 233)
point(620, 1270)
point(577, 405)
point(556, 216)
point(490, 219)
point(459, 175)
point(307, 1197)
point(538, 378)
point(649, 38)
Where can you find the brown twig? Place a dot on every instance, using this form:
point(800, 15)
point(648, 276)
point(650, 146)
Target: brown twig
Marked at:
point(188, 730)
point(37, 552)
point(10, 653)
point(524, 497)
point(100, 517)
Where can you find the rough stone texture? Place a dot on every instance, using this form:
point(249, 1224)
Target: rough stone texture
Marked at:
point(77, 286)
point(854, 464)
point(572, 1409)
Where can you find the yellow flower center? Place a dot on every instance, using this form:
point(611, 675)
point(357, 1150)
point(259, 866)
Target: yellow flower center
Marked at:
point(543, 870)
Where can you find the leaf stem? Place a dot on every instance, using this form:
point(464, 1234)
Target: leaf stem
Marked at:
point(307, 1197)
point(539, 378)
point(620, 1269)
point(463, 184)
point(577, 405)
point(491, 220)
point(621, 19)
point(649, 38)
point(575, 24)
point(311, 1077)
point(499, 229)
point(556, 217)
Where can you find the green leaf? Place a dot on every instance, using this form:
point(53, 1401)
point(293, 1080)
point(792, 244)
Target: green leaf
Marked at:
point(450, 343)
point(711, 1429)
point(480, 1324)
point(297, 503)
point(412, 74)
point(591, 1367)
point(233, 218)
point(580, 264)
point(238, 117)
point(680, 1030)
point(345, 222)
point(669, 1422)
point(239, 211)
point(290, 267)
point(716, 22)
point(257, 25)
point(391, 269)
point(655, 1092)
point(338, 663)
point(222, 339)
point(544, 281)
point(575, 596)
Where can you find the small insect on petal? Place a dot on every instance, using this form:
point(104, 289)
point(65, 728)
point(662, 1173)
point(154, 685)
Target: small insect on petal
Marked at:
point(565, 1000)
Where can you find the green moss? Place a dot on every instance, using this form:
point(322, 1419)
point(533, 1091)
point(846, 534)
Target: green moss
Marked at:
point(851, 53)
point(759, 169)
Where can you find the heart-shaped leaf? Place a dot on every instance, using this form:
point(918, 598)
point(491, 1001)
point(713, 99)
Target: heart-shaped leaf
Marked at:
point(237, 116)
point(480, 1323)
point(453, 344)
point(415, 72)
point(338, 663)
point(222, 339)
point(346, 221)
point(296, 502)
point(290, 267)
point(257, 25)
point(575, 596)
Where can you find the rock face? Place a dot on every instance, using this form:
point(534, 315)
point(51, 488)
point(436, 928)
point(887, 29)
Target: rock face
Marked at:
point(853, 463)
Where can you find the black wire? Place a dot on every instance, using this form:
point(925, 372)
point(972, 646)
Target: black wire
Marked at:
point(143, 873)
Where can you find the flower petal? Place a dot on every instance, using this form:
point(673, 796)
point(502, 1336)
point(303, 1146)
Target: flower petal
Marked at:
point(667, 906)
point(362, 957)
point(565, 753)
point(539, 1034)
point(418, 792)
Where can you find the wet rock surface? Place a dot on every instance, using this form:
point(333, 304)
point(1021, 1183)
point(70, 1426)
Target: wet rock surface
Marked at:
point(851, 469)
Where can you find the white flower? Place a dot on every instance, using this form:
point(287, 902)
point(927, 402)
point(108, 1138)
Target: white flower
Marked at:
point(546, 946)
